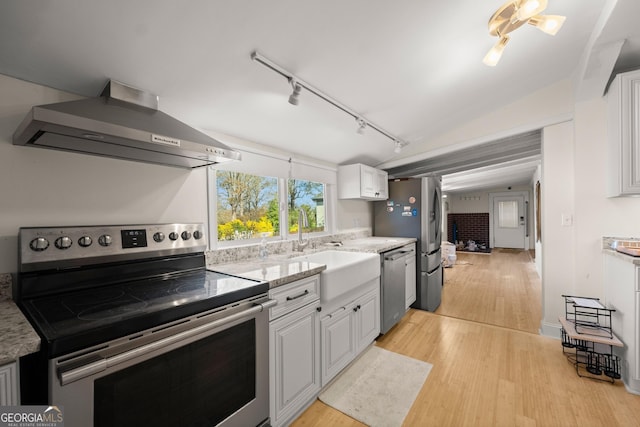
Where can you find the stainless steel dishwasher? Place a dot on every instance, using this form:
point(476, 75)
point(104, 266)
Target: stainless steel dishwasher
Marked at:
point(392, 287)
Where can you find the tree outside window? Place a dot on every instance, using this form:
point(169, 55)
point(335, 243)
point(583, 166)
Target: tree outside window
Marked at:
point(309, 196)
point(247, 206)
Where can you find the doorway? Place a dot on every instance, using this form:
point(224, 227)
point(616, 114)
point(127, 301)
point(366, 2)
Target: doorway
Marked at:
point(509, 224)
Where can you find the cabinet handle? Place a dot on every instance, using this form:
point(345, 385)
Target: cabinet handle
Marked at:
point(356, 308)
point(306, 291)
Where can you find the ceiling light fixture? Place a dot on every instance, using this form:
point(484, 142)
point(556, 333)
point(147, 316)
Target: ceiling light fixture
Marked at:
point(514, 14)
point(397, 147)
point(293, 98)
point(298, 85)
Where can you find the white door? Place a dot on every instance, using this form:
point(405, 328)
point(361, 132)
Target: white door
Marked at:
point(508, 222)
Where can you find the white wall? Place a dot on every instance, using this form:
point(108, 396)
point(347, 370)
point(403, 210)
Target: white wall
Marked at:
point(354, 214)
point(40, 187)
point(478, 202)
point(473, 202)
point(557, 240)
point(550, 105)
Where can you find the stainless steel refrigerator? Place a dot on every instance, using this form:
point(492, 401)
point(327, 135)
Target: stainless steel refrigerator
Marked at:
point(414, 210)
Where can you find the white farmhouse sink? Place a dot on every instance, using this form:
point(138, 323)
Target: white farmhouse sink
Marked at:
point(345, 271)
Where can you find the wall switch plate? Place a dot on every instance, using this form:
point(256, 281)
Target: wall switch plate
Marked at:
point(567, 220)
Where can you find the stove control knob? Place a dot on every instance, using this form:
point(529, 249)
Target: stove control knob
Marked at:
point(63, 242)
point(186, 235)
point(197, 234)
point(158, 237)
point(85, 241)
point(105, 240)
point(173, 235)
point(39, 244)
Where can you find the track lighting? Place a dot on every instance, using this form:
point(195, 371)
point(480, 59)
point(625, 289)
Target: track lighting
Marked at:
point(514, 14)
point(397, 147)
point(298, 84)
point(293, 98)
point(362, 125)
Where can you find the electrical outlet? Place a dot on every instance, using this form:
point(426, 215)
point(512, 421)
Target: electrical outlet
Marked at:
point(567, 220)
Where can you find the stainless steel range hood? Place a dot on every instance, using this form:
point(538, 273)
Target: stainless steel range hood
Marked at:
point(124, 123)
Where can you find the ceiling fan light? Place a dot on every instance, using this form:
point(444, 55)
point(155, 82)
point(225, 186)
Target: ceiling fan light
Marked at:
point(529, 8)
point(549, 24)
point(495, 53)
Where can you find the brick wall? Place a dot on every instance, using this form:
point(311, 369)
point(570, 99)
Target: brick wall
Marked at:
point(470, 226)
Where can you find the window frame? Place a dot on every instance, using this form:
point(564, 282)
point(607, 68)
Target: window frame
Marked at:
point(282, 184)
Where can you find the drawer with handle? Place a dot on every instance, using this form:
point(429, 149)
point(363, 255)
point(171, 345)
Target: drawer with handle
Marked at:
point(294, 295)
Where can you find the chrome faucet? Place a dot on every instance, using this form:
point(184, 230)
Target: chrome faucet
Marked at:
point(303, 221)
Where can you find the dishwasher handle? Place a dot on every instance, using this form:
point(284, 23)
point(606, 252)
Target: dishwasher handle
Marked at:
point(393, 256)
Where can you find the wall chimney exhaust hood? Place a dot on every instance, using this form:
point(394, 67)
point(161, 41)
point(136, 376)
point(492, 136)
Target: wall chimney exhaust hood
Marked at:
point(123, 123)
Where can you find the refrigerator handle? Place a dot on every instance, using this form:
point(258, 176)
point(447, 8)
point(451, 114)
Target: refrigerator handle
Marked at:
point(438, 213)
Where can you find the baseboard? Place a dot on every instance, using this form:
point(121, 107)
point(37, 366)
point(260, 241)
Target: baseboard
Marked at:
point(551, 330)
point(631, 390)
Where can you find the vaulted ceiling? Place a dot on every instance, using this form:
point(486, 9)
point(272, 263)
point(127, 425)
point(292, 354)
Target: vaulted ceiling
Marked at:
point(414, 68)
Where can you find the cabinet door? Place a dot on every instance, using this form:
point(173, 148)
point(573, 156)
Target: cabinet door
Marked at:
point(382, 187)
point(367, 313)
point(338, 345)
point(624, 134)
point(410, 281)
point(368, 181)
point(295, 363)
point(9, 385)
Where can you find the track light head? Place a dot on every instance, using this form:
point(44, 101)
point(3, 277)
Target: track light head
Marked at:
point(293, 98)
point(362, 125)
point(397, 147)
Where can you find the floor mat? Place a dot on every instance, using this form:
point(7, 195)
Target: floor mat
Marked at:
point(379, 388)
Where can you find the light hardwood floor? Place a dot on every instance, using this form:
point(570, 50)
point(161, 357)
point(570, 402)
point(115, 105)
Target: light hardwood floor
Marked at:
point(486, 375)
point(501, 288)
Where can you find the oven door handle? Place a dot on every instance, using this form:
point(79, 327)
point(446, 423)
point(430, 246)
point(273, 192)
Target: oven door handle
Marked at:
point(96, 366)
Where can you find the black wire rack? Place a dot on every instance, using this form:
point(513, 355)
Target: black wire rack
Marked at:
point(588, 339)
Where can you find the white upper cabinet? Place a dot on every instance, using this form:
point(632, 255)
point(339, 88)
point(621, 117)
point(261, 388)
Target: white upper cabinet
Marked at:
point(360, 181)
point(623, 102)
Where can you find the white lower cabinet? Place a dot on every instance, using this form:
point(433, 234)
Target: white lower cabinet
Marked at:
point(347, 331)
point(9, 385)
point(294, 350)
point(622, 286)
point(338, 343)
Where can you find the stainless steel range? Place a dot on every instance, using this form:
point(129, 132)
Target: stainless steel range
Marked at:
point(136, 331)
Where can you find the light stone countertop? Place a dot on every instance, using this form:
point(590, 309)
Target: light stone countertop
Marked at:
point(606, 248)
point(276, 270)
point(375, 244)
point(281, 269)
point(17, 337)
point(632, 259)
